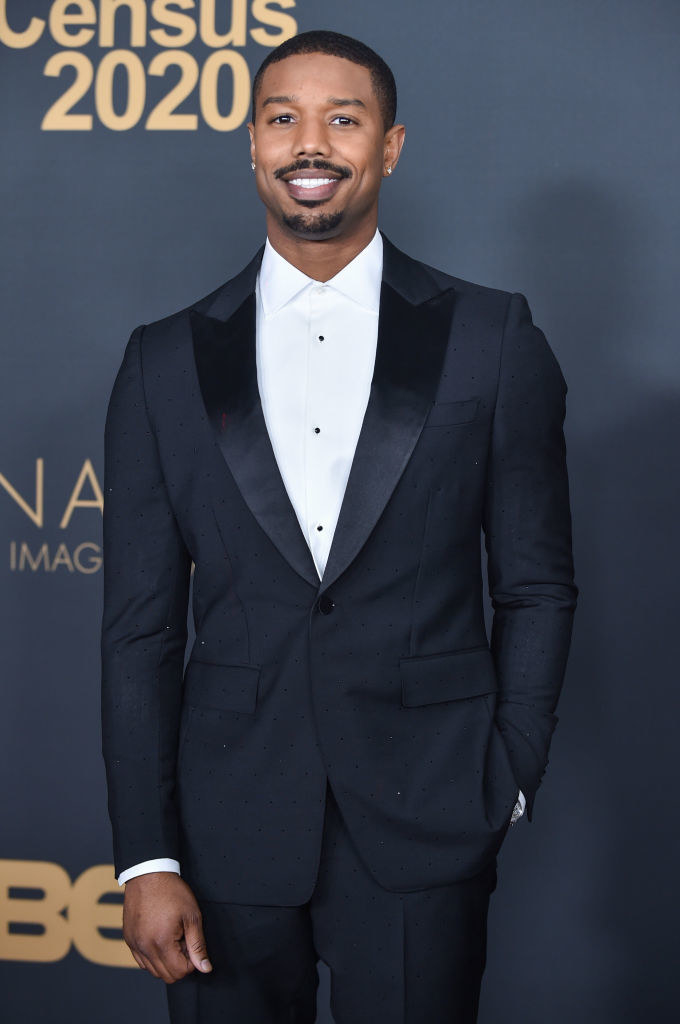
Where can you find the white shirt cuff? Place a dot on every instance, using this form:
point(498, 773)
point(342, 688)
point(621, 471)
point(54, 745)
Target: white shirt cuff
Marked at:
point(522, 800)
point(147, 866)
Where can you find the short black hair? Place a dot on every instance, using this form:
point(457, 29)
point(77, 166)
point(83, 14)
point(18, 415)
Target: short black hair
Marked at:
point(337, 45)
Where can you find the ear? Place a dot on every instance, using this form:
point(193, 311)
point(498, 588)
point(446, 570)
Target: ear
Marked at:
point(251, 132)
point(394, 141)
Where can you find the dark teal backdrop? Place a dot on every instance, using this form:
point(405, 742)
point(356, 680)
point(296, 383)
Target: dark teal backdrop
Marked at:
point(542, 156)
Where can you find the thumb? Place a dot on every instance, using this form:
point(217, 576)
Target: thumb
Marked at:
point(195, 943)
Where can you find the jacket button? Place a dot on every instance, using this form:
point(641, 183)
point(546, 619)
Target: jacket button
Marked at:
point(325, 604)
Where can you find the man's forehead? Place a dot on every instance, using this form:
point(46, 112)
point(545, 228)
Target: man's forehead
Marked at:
point(337, 77)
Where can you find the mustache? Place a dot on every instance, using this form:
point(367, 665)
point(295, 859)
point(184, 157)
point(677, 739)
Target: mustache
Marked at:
point(317, 165)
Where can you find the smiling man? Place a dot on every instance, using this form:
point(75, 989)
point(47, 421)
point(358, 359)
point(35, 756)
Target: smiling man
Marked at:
point(322, 139)
point(325, 437)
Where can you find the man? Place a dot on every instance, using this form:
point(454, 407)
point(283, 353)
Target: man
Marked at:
point(325, 437)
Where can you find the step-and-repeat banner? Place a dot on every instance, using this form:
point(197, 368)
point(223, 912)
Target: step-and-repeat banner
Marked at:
point(541, 156)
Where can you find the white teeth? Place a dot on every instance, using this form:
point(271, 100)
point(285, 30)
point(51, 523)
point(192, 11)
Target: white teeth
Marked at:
point(311, 182)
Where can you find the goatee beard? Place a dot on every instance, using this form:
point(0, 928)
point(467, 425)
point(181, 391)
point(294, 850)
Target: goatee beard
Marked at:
point(309, 224)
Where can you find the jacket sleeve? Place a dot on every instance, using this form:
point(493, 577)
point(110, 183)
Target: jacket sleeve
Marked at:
point(527, 527)
point(144, 627)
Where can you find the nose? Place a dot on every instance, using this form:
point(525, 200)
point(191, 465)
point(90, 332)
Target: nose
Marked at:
point(312, 139)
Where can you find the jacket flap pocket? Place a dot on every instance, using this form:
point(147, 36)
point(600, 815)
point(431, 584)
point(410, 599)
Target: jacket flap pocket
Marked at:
point(444, 413)
point(449, 676)
point(224, 687)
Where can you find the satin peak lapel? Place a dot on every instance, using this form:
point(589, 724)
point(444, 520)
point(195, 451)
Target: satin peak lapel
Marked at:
point(227, 371)
point(412, 340)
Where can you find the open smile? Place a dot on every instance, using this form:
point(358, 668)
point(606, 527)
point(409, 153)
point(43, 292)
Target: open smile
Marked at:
point(310, 182)
point(316, 188)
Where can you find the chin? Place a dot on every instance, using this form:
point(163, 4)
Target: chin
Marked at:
point(313, 225)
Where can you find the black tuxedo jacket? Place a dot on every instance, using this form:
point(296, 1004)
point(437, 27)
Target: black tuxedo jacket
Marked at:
point(380, 677)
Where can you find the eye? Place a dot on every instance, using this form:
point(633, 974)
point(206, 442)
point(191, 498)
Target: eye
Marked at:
point(343, 120)
point(282, 119)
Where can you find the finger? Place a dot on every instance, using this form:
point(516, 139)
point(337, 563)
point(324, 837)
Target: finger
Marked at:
point(148, 965)
point(138, 959)
point(176, 963)
point(195, 943)
point(185, 954)
point(158, 962)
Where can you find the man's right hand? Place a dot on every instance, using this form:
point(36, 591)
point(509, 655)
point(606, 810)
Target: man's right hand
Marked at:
point(162, 926)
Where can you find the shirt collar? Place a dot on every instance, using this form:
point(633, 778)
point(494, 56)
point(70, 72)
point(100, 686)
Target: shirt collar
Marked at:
point(279, 281)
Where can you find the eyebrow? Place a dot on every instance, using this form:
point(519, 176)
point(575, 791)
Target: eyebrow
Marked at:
point(279, 99)
point(332, 100)
point(345, 102)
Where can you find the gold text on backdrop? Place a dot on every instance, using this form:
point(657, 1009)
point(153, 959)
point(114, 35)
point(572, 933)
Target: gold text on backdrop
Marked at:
point(221, 26)
point(43, 913)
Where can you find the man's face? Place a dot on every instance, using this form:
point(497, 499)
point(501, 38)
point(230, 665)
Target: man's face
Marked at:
point(320, 146)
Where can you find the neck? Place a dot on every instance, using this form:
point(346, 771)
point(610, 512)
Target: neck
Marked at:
point(320, 260)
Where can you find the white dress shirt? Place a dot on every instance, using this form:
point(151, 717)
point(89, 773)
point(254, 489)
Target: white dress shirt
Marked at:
point(315, 353)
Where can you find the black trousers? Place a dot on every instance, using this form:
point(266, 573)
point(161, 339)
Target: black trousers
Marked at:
point(397, 958)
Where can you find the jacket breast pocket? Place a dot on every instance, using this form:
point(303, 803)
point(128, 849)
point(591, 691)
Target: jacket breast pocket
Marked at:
point(221, 687)
point(445, 414)
point(452, 675)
